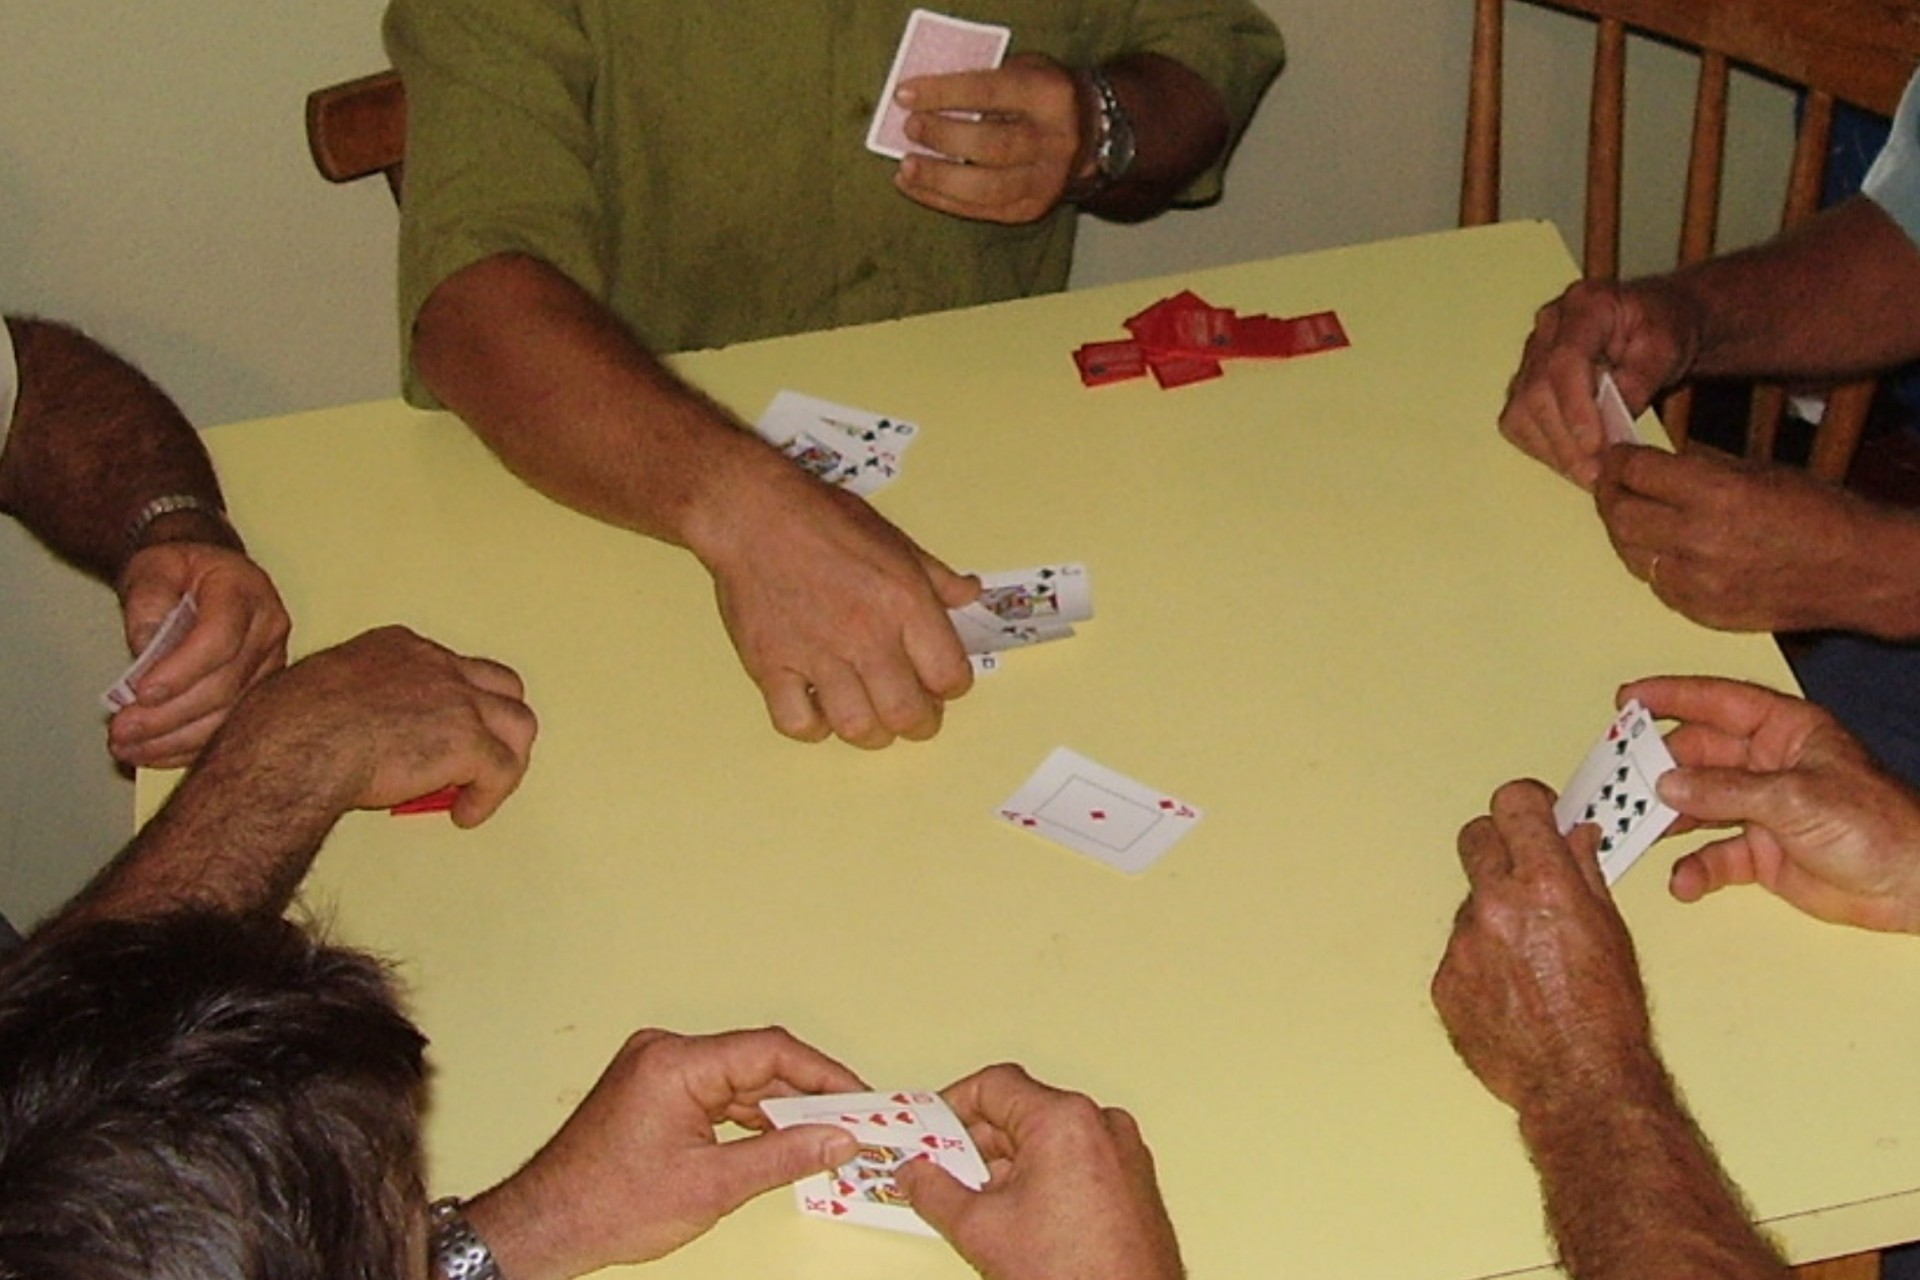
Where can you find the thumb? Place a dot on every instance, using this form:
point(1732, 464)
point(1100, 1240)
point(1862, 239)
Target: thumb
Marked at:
point(1722, 795)
point(954, 589)
point(750, 1166)
point(936, 1195)
point(144, 602)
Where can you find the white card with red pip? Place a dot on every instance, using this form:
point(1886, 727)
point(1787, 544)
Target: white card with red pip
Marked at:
point(172, 630)
point(932, 45)
point(891, 1128)
point(1614, 789)
point(1091, 809)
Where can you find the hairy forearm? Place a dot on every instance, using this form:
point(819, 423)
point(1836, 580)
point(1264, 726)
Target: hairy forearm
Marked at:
point(574, 405)
point(92, 442)
point(1180, 128)
point(1833, 299)
point(1632, 1189)
point(237, 835)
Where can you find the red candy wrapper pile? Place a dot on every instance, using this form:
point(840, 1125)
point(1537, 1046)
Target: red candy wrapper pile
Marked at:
point(1184, 338)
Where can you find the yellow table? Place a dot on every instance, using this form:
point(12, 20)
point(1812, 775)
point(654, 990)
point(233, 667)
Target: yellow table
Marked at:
point(1334, 609)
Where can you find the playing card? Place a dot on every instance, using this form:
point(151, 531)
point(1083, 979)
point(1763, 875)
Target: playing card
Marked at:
point(1613, 788)
point(892, 1128)
point(933, 45)
point(1615, 421)
point(854, 449)
point(1020, 607)
point(173, 629)
point(1093, 810)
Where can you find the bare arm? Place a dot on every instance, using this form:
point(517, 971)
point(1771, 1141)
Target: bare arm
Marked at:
point(93, 443)
point(1830, 300)
point(837, 616)
point(93, 440)
point(1180, 129)
point(381, 719)
point(1541, 995)
point(1632, 1189)
point(579, 409)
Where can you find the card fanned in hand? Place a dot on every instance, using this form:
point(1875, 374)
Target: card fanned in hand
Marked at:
point(891, 1128)
point(1614, 789)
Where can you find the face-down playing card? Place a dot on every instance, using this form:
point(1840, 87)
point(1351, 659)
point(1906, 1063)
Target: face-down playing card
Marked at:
point(1096, 811)
point(932, 45)
point(892, 1128)
point(1614, 789)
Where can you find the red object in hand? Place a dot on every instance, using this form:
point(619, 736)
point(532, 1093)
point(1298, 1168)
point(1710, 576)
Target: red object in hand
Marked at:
point(433, 802)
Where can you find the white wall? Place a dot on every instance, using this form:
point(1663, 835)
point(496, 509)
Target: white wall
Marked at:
point(155, 189)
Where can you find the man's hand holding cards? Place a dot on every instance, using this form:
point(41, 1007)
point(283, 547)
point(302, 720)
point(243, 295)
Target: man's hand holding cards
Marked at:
point(892, 1129)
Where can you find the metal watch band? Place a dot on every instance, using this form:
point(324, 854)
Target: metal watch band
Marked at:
point(456, 1249)
point(168, 504)
point(1113, 142)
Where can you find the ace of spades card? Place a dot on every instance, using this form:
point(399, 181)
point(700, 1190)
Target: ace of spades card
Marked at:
point(891, 1128)
point(1614, 789)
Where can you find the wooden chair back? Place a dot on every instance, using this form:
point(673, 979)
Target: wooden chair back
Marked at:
point(359, 128)
point(1855, 51)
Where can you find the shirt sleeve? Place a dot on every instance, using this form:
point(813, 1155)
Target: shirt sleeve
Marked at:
point(500, 146)
point(1230, 44)
point(1893, 182)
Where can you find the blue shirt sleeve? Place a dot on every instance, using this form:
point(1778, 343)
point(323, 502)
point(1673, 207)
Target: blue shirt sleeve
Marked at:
point(1894, 181)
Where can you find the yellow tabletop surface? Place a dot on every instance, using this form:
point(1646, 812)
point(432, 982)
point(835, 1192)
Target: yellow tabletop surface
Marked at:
point(1334, 610)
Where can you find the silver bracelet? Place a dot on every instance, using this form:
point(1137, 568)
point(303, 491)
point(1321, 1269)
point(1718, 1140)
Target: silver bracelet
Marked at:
point(166, 504)
point(455, 1248)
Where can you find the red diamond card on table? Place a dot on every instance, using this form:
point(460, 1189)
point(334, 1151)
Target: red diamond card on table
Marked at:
point(1093, 810)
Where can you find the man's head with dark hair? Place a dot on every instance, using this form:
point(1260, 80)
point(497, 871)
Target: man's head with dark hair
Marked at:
point(205, 1097)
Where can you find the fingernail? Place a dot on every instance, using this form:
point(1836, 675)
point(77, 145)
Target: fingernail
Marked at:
point(838, 1150)
point(1671, 787)
point(905, 96)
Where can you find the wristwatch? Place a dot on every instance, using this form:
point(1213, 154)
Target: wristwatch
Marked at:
point(457, 1251)
point(1113, 140)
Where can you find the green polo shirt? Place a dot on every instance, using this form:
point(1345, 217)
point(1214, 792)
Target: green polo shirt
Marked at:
point(702, 168)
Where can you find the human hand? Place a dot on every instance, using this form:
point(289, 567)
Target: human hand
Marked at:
point(386, 717)
point(1539, 988)
point(1071, 1196)
point(637, 1171)
point(1745, 547)
point(838, 617)
point(1646, 334)
point(240, 637)
point(1815, 821)
point(1011, 165)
